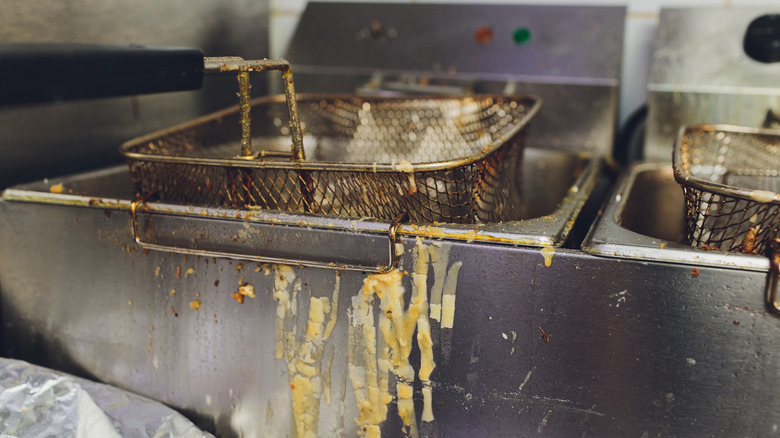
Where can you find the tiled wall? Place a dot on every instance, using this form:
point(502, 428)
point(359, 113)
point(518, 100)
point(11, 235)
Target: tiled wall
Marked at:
point(641, 23)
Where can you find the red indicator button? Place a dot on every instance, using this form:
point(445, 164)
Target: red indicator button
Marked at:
point(483, 35)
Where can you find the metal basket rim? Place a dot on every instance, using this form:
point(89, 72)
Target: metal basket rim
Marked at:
point(684, 178)
point(126, 148)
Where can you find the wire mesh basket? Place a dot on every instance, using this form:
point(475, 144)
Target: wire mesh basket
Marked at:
point(439, 159)
point(730, 176)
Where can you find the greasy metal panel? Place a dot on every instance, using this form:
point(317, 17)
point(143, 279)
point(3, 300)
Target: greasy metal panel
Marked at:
point(634, 347)
point(442, 39)
point(53, 139)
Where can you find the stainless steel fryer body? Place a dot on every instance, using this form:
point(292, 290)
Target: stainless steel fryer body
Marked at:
point(635, 347)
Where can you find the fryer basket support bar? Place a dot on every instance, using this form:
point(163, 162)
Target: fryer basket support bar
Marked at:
point(302, 260)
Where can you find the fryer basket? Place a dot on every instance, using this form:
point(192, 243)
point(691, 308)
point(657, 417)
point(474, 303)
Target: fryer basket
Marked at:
point(730, 176)
point(439, 159)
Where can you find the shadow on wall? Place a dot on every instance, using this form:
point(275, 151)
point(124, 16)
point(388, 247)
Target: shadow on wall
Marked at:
point(54, 139)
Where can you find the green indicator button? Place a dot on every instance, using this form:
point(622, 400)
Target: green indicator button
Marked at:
point(522, 35)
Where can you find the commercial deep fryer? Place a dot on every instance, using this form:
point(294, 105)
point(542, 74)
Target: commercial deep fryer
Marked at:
point(546, 339)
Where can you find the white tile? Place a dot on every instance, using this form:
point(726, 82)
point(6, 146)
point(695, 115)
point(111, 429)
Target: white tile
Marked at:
point(282, 29)
point(295, 5)
point(653, 6)
point(772, 4)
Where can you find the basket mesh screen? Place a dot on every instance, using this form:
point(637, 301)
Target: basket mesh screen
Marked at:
point(353, 131)
point(740, 160)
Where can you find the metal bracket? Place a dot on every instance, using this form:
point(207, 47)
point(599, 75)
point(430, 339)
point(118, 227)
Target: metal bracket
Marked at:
point(392, 234)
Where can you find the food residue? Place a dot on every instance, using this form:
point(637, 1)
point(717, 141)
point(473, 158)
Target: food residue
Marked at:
point(246, 289)
point(545, 336)
point(378, 345)
point(372, 358)
point(695, 272)
point(448, 300)
point(405, 166)
point(57, 188)
point(443, 290)
point(750, 242)
point(173, 291)
point(548, 252)
point(189, 272)
point(195, 304)
point(763, 196)
point(303, 356)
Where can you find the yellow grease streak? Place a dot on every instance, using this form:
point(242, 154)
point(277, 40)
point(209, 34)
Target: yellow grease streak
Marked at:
point(370, 359)
point(448, 302)
point(371, 395)
point(548, 252)
point(334, 313)
point(439, 259)
point(303, 357)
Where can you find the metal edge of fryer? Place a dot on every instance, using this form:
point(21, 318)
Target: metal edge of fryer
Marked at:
point(549, 230)
point(608, 238)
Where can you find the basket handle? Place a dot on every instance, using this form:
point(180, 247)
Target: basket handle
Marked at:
point(392, 235)
point(773, 252)
point(243, 67)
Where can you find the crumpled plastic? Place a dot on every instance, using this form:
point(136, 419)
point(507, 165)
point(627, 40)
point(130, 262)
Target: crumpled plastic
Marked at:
point(39, 402)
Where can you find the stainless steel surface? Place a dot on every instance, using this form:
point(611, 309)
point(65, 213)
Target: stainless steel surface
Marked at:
point(645, 220)
point(231, 397)
point(437, 159)
point(635, 347)
point(572, 59)
point(49, 140)
point(700, 74)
